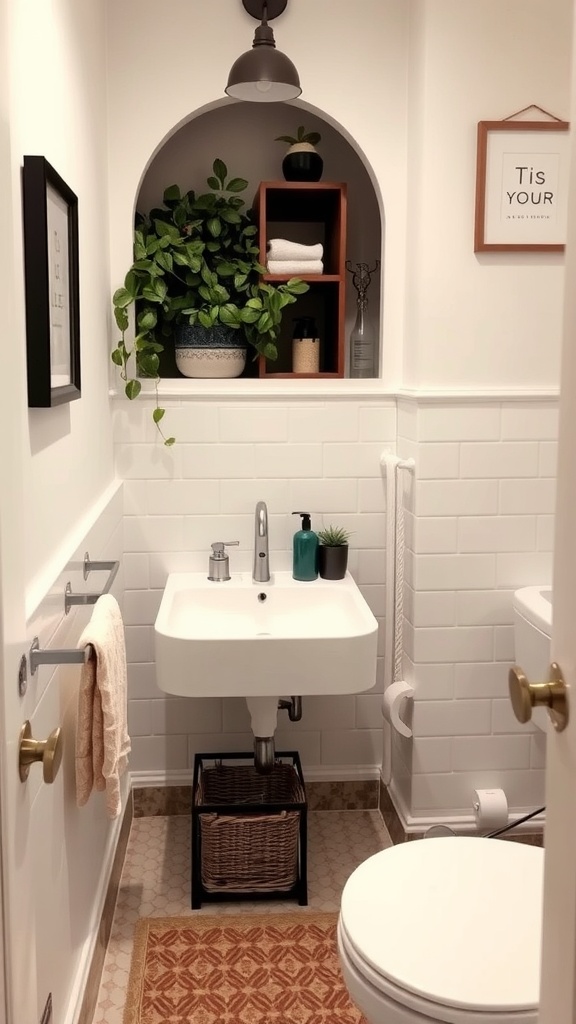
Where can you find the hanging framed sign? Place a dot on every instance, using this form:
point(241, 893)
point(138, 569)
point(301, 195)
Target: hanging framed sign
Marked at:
point(521, 186)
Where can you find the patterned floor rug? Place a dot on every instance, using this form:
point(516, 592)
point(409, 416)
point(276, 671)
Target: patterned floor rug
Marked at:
point(238, 969)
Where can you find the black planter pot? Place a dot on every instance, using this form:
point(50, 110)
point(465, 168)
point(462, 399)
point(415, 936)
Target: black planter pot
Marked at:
point(332, 562)
point(302, 164)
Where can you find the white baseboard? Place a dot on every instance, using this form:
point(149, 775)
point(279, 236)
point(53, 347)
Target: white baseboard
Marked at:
point(350, 773)
point(345, 773)
point(147, 780)
point(465, 823)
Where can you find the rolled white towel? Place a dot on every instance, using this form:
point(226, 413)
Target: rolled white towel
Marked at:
point(283, 249)
point(293, 267)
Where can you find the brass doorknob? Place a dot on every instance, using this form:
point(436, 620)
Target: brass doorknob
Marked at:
point(552, 695)
point(48, 751)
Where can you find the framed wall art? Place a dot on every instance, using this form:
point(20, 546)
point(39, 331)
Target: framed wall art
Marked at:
point(51, 279)
point(521, 186)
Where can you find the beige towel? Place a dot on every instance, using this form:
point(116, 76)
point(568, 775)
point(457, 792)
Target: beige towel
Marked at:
point(102, 741)
point(284, 249)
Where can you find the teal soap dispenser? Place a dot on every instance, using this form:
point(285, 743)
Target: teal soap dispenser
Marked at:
point(305, 551)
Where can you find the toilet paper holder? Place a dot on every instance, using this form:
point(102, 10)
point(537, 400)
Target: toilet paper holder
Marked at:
point(394, 699)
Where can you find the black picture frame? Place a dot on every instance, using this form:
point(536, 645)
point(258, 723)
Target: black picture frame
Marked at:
point(50, 210)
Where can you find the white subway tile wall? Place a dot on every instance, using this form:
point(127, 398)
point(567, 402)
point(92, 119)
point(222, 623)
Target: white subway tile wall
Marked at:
point(319, 456)
point(479, 523)
point(480, 518)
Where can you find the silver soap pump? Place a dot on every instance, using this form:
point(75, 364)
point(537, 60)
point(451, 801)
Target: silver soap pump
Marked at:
point(219, 562)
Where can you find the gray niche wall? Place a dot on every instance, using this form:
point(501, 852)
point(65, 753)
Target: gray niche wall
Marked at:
point(243, 136)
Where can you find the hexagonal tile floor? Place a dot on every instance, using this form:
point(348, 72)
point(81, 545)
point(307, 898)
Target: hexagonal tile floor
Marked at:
point(156, 883)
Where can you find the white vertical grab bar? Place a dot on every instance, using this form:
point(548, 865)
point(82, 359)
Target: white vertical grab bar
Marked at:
point(394, 605)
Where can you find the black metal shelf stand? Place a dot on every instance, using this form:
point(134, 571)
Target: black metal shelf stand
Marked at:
point(199, 892)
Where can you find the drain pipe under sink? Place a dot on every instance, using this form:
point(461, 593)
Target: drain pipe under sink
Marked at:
point(264, 717)
point(293, 707)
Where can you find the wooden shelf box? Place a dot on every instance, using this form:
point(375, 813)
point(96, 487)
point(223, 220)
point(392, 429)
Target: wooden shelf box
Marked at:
point(308, 212)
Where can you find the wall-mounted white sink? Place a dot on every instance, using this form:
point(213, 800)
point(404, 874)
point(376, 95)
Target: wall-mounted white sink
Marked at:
point(244, 639)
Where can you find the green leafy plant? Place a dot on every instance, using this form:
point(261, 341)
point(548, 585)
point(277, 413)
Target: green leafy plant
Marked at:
point(196, 261)
point(334, 536)
point(313, 138)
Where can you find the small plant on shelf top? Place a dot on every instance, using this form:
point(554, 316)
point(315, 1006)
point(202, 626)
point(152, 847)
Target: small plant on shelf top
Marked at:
point(334, 536)
point(312, 138)
point(196, 262)
point(302, 162)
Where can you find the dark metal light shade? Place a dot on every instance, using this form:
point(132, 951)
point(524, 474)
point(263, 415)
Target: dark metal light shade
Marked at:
point(263, 74)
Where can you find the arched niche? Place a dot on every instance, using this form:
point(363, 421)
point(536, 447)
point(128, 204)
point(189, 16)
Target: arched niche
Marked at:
point(243, 136)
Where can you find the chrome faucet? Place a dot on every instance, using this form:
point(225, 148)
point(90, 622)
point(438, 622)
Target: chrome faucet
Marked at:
point(261, 572)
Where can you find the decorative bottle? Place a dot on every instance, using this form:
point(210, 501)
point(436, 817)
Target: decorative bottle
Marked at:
point(363, 352)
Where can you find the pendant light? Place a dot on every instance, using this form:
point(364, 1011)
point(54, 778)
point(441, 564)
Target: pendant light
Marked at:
point(263, 74)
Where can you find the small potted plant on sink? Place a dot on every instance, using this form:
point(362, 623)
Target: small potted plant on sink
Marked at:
point(302, 162)
point(333, 552)
point(196, 283)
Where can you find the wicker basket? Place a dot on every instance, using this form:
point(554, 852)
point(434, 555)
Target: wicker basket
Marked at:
point(251, 850)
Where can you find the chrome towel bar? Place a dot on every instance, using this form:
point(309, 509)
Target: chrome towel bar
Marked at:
point(52, 656)
point(71, 599)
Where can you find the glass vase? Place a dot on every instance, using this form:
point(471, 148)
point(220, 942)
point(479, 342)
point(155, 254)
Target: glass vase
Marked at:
point(362, 343)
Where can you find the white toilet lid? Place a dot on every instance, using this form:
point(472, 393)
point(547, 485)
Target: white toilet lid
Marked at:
point(456, 920)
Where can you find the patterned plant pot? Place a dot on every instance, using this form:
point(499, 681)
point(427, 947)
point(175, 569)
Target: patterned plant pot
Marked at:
point(217, 351)
point(302, 163)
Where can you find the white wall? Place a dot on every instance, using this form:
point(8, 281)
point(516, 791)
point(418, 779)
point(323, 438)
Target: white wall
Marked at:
point(481, 510)
point(243, 134)
point(429, 70)
point(354, 73)
point(485, 319)
point(58, 94)
point(56, 465)
point(291, 453)
point(490, 324)
point(318, 456)
point(409, 96)
point(479, 524)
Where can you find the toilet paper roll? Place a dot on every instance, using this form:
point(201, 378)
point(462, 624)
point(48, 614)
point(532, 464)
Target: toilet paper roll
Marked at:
point(394, 696)
point(490, 808)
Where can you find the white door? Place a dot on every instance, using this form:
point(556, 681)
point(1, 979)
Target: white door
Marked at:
point(3, 1014)
point(3, 1011)
point(558, 988)
point(18, 920)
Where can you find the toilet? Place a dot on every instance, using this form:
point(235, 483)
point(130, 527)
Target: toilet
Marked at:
point(444, 930)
